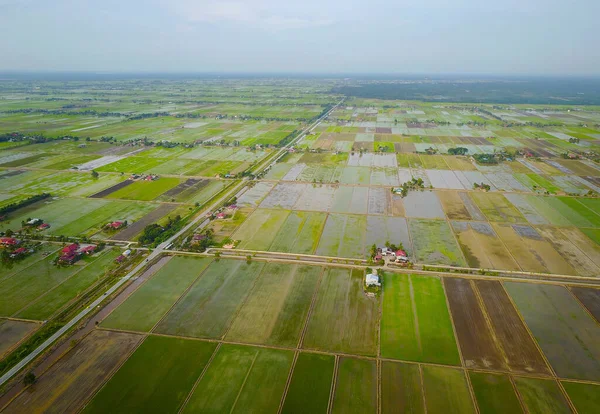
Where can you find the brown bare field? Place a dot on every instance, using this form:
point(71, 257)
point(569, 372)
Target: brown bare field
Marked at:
point(407, 147)
point(533, 254)
point(577, 167)
point(68, 384)
point(590, 298)
point(479, 349)
point(481, 247)
point(111, 189)
point(12, 332)
point(397, 206)
point(583, 243)
point(323, 143)
point(567, 248)
point(519, 348)
point(453, 205)
point(131, 231)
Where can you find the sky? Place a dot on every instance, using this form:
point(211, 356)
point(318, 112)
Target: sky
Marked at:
point(527, 37)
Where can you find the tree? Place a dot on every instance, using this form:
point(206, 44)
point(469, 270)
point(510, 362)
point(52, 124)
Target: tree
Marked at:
point(95, 174)
point(29, 379)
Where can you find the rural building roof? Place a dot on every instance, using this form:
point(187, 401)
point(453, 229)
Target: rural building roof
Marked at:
point(44, 226)
point(88, 249)
point(400, 253)
point(372, 279)
point(8, 240)
point(221, 215)
point(71, 248)
point(378, 257)
point(116, 224)
point(20, 250)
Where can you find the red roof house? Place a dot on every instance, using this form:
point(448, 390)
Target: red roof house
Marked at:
point(20, 250)
point(116, 224)
point(88, 249)
point(43, 226)
point(8, 241)
point(221, 215)
point(71, 248)
point(401, 253)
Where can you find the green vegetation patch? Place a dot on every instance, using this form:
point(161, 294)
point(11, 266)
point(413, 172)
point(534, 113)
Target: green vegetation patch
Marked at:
point(401, 389)
point(276, 310)
point(145, 190)
point(541, 396)
point(356, 387)
point(585, 397)
point(242, 379)
point(446, 391)
point(341, 298)
point(310, 385)
point(144, 308)
point(494, 393)
point(415, 322)
point(299, 233)
point(156, 378)
point(434, 242)
point(207, 309)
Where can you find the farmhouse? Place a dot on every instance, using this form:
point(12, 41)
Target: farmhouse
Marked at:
point(115, 225)
point(18, 252)
point(8, 241)
point(43, 226)
point(88, 249)
point(34, 221)
point(372, 280)
point(71, 248)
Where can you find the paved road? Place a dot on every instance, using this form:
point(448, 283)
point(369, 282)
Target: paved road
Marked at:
point(154, 254)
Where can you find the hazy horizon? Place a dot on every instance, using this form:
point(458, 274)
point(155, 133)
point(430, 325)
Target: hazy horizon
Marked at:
point(431, 37)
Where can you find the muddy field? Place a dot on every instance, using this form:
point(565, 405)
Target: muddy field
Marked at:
point(112, 189)
point(81, 372)
point(133, 229)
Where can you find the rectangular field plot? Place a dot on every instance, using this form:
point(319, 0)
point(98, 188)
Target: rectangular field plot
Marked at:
point(401, 388)
point(284, 195)
point(12, 332)
point(156, 378)
point(351, 200)
point(434, 243)
point(341, 298)
point(310, 385)
point(531, 251)
point(209, 306)
point(146, 306)
point(481, 247)
point(68, 384)
point(145, 190)
point(541, 396)
point(356, 175)
point(585, 397)
point(590, 298)
point(242, 379)
point(343, 236)
point(55, 299)
point(299, 233)
point(388, 229)
point(581, 253)
point(494, 393)
point(446, 391)
point(260, 229)
point(415, 323)
point(497, 208)
point(355, 387)
point(276, 310)
point(32, 283)
point(458, 206)
point(566, 333)
point(254, 195)
point(423, 204)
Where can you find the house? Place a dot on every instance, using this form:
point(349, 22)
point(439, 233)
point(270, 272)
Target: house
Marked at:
point(34, 221)
point(221, 215)
point(401, 253)
point(378, 257)
point(119, 259)
point(372, 280)
point(71, 248)
point(126, 253)
point(69, 258)
point(8, 241)
point(20, 251)
point(43, 226)
point(89, 249)
point(115, 225)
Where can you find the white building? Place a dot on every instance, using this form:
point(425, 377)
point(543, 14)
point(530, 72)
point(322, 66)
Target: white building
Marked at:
point(372, 280)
